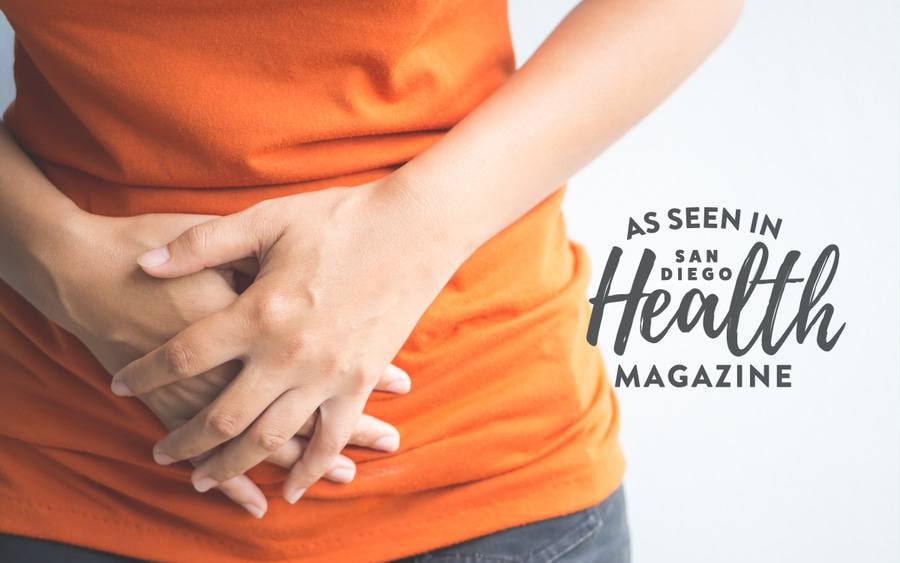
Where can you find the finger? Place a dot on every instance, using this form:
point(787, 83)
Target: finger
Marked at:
point(370, 432)
point(239, 404)
point(243, 491)
point(376, 434)
point(337, 418)
point(394, 380)
point(240, 490)
point(290, 453)
point(202, 346)
point(268, 434)
point(208, 244)
point(175, 223)
point(309, 426)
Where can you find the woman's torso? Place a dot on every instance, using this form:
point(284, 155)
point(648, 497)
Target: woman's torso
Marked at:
point(209, 107)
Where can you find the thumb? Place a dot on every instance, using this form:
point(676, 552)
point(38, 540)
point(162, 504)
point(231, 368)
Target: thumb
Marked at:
point(206, 245)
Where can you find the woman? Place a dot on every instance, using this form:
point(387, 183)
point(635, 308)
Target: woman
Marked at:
point(388, 200)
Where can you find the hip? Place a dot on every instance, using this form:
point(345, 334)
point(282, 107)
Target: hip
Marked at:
point(598, 534)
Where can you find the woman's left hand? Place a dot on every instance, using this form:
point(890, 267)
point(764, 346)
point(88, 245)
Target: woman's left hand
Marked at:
point(344, 276)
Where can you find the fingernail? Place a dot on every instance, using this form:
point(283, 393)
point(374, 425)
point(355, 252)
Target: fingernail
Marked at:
point(163, 459)
point(154, 258)
point(387, 443)
point(204, 484)
point(254, 510)
point(342, 474)
point(400, 385)
point(295, 496)
point(120, 388)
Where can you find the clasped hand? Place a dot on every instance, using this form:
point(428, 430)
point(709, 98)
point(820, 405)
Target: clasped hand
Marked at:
point(344, 276)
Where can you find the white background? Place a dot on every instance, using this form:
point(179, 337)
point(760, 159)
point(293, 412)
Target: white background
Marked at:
point(796, 116)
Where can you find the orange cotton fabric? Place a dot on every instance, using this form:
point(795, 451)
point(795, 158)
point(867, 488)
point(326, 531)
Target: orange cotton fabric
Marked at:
point(209, 107)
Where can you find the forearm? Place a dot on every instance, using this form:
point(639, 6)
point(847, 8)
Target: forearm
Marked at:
point(35, 221)
point(608, 64)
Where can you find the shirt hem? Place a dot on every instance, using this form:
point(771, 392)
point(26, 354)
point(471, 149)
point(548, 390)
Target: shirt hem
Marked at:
point(455, 522)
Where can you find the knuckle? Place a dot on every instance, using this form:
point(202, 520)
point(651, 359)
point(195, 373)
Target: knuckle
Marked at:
point(224, 423)
point(272, 311)
point(305, 474)
point(271, 439)
point(335, 366)
point(224, 472)
point(332, 443)
point(361, 380)
point(196, 239)
point(179, 358)
point(340, 365)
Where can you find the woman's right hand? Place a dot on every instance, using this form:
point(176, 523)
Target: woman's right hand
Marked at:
point(120, 314)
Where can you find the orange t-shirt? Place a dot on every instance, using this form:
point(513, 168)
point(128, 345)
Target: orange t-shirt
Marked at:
point(209, 107)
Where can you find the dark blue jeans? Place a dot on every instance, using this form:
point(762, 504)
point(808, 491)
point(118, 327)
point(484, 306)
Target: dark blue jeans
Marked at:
point(596, 535)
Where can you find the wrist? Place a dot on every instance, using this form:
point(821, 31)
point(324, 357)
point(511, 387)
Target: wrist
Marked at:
point(429, 222)
point(51, 264)
point(443, 215)
point(49, 238)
